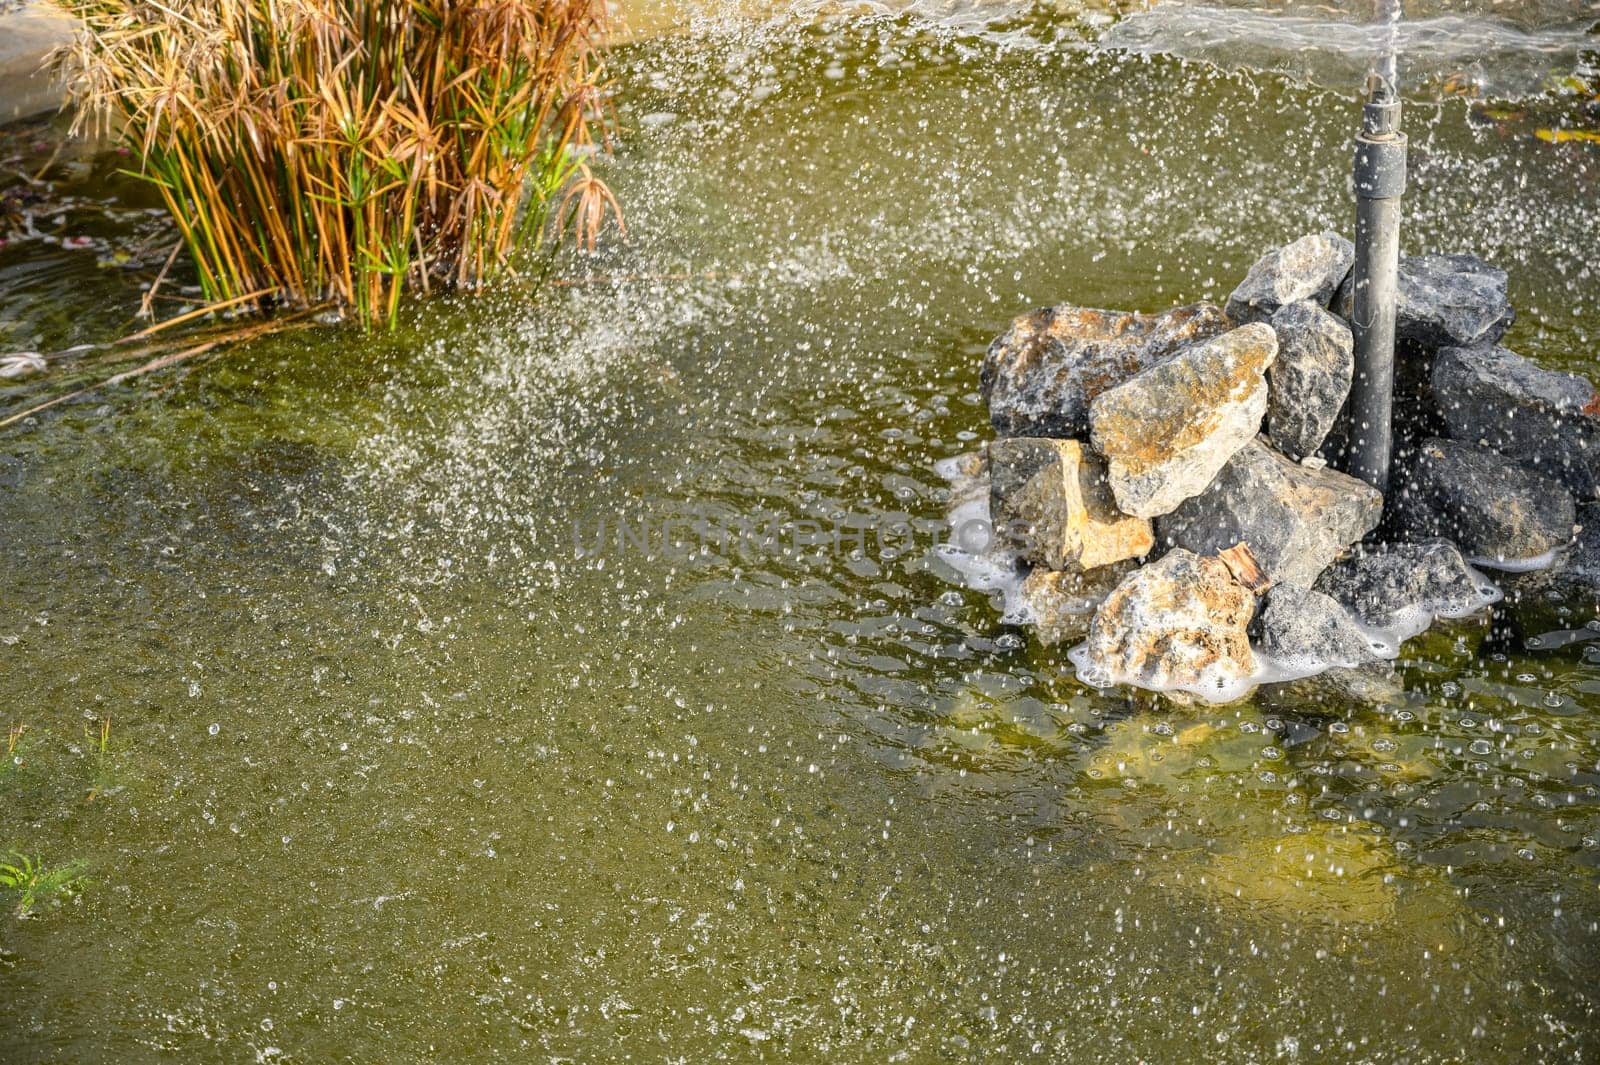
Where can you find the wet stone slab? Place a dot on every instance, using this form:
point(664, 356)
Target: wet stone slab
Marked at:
point(1040, 376)
point(1296, 520)
point(1493, 508)
point(1310, 379)
point(1306, 270)
point(1168, 431)
point(1445, 300)
point(1051, 503)
point(1547, 420)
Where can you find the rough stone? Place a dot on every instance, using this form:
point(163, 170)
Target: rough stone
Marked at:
point(1060, 605)
point(1295, 520)
point(1406, 586)
point(1575, 573)
point(1491, 507)
point(28, 34)
point(1445, 300)
point(1547, 420)
point(1304, 629)
point(1040, 376)
point(1050, 502)
point(1167, 431)
point(1310, 268)
point(1559, 604)
point(1310, 379)
point(1180, 623)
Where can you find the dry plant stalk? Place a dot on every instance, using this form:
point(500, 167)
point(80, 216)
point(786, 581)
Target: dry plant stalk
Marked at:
point(346, 149)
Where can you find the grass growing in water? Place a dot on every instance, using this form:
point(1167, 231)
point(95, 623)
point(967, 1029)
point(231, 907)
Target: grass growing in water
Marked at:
point(348, 149)
point(33, 883)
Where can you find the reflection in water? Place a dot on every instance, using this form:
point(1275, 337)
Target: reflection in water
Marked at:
point(398, 773)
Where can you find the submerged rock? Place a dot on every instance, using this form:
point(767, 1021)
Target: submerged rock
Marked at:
point(1367, 684)
point(1402, 588)
point(1167, 431)
point(1040, 376)
point(1445, 300)
point(1310, 379)
point(1493, 508)
point(1050, 501)
point(1305, 630)
point(1295, 520)
point(1061, 605)
point(1310, 268)
point(1547, 420)
point(1331, 872)
point(1180, 623)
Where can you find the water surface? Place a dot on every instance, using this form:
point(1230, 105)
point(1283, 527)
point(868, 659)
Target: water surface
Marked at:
point(398, 773)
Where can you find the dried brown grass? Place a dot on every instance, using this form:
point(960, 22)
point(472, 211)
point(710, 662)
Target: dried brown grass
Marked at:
point(348, 150)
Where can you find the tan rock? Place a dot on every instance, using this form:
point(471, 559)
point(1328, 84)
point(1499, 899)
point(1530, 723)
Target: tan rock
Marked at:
point(1060, 605)
point(1178, 624)
point(1050, 502)
point(1040, 376)
point(1167, 431)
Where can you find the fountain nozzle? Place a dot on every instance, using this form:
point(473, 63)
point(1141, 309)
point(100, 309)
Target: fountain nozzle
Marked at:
point(1380, 182)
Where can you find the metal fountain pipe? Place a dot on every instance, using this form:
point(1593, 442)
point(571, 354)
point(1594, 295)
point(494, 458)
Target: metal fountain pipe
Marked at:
point(1380, 181)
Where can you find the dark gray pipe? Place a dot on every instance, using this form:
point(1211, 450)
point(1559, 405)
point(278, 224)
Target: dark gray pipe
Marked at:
point(1380, 181)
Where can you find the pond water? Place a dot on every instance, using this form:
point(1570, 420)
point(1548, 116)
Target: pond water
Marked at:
point(396, 772)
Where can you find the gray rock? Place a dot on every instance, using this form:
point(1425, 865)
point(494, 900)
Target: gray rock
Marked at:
point(1050, 502)
point(1563, 596)
point(1180, 623)
point(1310, 380)
point(1295, 520)
point(1576, 571)
point(1167, 431)
point(1491, 507)
point(1404, 587)
point(1310, 268)
point(1547, 420)
point(1040, 376)
point(1445, 300)
point(1303, 629)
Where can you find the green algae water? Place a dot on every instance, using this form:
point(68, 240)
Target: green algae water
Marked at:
point(426, 744)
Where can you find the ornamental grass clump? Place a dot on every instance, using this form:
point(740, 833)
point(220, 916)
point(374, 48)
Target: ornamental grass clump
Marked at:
point(346, 150)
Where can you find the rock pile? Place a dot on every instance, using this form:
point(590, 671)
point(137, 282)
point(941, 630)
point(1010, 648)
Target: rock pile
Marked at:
point(1197, 442)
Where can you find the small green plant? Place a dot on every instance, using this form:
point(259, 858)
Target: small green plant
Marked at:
point(34, 884)
point(14, 745)
point(346, 150)
point(103, 781)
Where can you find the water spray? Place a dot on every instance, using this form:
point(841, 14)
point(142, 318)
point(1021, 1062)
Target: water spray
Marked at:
point(1380, 182)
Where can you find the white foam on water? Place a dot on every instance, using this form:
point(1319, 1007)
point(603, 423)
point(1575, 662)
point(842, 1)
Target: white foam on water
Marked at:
point(1385, 642)
point(1406, 624)
point(970, 550)
point(1531, 564)
point(950, 469)
point(1212, 685)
